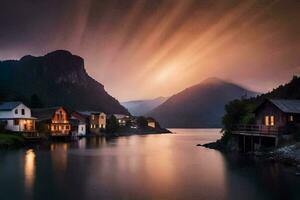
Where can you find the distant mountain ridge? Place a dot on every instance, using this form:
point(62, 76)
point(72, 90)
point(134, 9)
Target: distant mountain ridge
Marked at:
point(199, 106)
point(58, 78)
point(141, 107)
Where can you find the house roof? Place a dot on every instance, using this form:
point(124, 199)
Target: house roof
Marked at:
point(287, 106)
point(44, 113)
point(82, 117)
point(6, 106)
point(76, 122)
point(87, 113)
point(120, 116)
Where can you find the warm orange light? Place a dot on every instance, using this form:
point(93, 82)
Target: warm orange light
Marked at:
point(29, 169)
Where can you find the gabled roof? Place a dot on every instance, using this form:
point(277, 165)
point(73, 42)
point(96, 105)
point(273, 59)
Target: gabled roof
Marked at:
point(79, 116)
point(44, 113)
point(286, 106)
point(6, 106)
point(120, 116)
point(88, 113)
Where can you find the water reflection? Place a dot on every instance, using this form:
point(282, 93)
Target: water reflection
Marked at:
point(29, 170)
point(59, 156)
point(167, 166)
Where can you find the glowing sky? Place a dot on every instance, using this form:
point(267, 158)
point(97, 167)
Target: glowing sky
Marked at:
point(147, 48)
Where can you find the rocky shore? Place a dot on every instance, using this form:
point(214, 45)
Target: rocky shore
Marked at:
point(288, 154)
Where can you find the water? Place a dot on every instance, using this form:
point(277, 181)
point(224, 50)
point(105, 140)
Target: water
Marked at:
point(168, 166)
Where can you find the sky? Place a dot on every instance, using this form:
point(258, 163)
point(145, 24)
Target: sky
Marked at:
point(141, 49)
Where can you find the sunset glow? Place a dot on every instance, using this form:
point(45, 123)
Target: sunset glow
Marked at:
point(160, 47)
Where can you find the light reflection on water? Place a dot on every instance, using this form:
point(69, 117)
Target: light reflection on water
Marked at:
point(29, 170)
point(168, 166)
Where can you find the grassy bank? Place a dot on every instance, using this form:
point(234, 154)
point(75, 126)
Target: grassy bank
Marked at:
point(10, 140)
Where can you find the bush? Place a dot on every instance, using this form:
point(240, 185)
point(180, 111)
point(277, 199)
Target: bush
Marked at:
point(112, 125)
point(237, 112)
point(8, 140)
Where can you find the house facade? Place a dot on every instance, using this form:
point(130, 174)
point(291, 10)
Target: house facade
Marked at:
point(151, 123)
point(17, 117)
point(122, 119)
point(278, 113)
point(78, 124)
point(273, 121)
point(55, 120)
point(95, 121)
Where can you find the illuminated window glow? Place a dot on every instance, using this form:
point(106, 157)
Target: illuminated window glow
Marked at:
point(272, 120)
point(267, 121)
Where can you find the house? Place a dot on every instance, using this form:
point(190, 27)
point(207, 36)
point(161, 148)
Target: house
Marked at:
point(278, 113)
point(54, 120)
point(151, 122)
point(122, 119)
point(273, 119)
point(78, 124)
point(17, 117)
point(96, 121)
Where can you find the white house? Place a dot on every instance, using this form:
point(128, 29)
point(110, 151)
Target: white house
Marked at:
point(17, 117)
point(96, 120)
point(78, 122)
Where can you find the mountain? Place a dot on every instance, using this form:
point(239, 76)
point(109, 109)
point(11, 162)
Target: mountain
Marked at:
point(141, 107)
point(58, 78)
point(200, 106)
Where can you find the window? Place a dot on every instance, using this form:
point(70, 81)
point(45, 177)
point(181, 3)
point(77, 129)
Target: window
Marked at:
point(16, 111)
point(93, 117)
point(23, 111)
point(16, 122)
point(267, 122)
point(91, 125)
point(291, 118)
point(272, 120)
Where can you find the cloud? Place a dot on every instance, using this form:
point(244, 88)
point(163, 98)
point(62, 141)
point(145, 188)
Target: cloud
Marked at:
point(149, 48)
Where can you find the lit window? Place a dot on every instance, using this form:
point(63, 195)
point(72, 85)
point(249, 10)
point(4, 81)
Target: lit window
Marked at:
point(267, 121)
point(291, 118)
point(93, 117)
point(91, 125)
point(272, 120)
point(16, 122)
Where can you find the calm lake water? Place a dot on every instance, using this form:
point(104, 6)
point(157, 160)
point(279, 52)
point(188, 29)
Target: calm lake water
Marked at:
point(168, 166)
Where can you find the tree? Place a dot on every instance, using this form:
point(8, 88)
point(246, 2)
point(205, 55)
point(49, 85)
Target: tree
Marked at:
point(142, 122)
point(112, 125)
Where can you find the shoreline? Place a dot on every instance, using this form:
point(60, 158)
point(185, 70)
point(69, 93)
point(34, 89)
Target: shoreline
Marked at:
point(288, 155)
point(14, 141)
